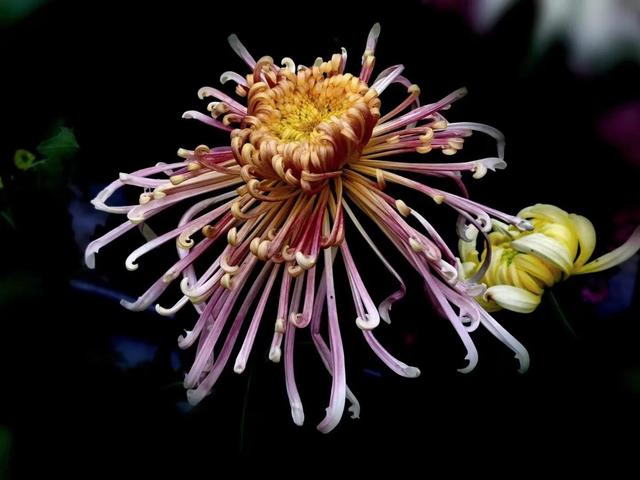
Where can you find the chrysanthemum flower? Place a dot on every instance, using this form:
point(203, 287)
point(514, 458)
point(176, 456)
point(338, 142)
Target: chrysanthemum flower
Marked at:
point(523, 264)
point(309, 149)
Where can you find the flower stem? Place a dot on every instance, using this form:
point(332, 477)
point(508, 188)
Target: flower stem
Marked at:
point(559, 313)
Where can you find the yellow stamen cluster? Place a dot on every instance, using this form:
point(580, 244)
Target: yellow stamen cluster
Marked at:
point(302, 128)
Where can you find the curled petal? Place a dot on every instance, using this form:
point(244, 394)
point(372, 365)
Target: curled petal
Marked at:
point(512, 298)
point(97, 244)
point(192, 114)
point(625, 251)
point(586, 238)
point(393, 363)
point(505, 337)
point(546, 248)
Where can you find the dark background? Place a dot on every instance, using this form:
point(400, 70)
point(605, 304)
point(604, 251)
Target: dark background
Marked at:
point(87, 383)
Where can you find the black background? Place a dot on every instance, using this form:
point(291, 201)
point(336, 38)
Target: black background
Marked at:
point(121, 75)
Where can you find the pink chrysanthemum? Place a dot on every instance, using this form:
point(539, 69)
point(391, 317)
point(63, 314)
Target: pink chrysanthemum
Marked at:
point(309, 150)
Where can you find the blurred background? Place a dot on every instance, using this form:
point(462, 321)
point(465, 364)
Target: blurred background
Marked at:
point(90, 89)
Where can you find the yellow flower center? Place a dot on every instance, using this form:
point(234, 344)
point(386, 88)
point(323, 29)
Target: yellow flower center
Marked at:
point(302, 128)
point(508, 253)
point(301, 112)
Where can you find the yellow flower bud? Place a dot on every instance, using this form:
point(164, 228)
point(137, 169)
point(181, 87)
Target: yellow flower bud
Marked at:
point(524, 263)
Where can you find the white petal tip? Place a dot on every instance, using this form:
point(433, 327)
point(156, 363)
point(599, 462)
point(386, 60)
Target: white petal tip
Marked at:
point(194, 397)
point(275, 354)
point(203, 93)
point(523, 361)
point(369, 323)
point(355, 411)
point(130, 305)
point(90, 260)
point(322, 428)
point(165, 312)
point(501, 165)
point(239, 367)
point(383, 310)
point(473, 361)
point(132, 267)
point(412, 372)
point(465, 370)
point(298, 415)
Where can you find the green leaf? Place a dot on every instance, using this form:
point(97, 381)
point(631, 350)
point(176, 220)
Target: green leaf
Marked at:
point(57, 150)
point(24, 159)
point(61, 146)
